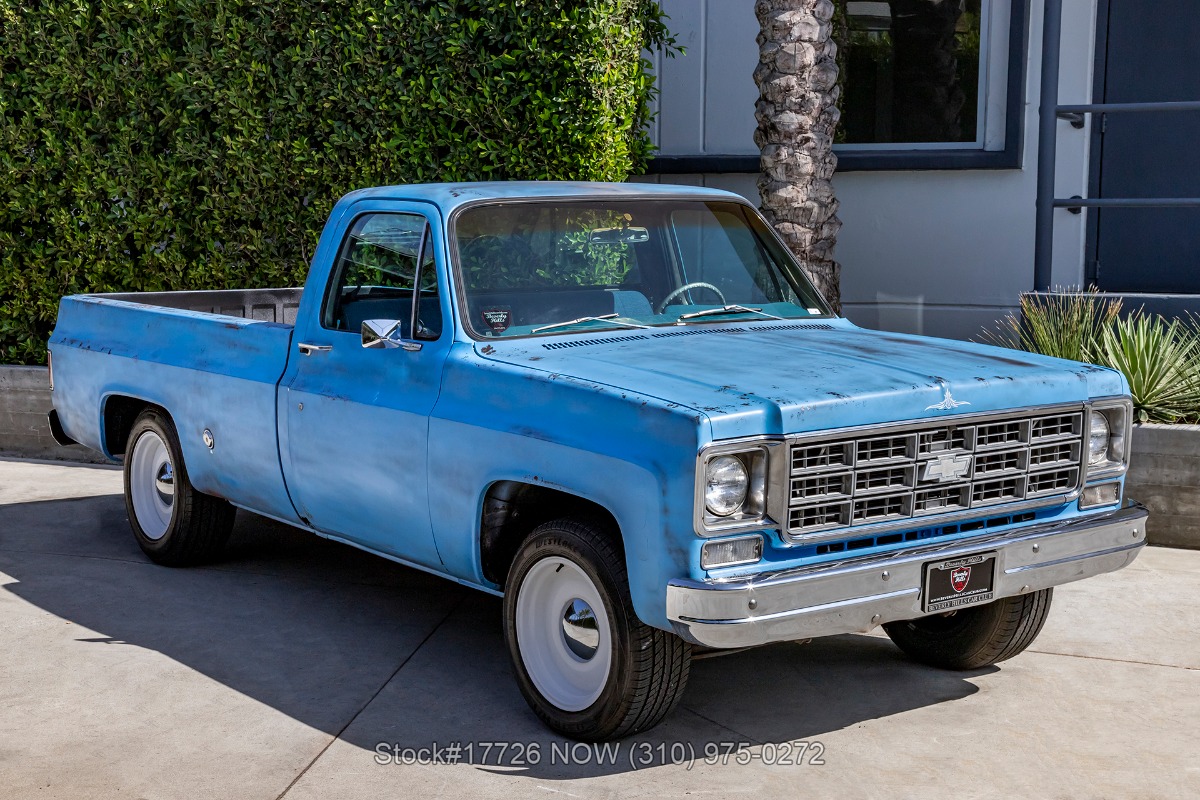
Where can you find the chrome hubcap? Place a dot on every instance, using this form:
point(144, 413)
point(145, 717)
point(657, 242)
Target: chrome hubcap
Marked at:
point(580, 630)
point(165, 482)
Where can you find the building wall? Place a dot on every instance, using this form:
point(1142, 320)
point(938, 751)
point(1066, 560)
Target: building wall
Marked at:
point(944, 253)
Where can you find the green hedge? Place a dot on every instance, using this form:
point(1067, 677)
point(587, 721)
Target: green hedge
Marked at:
point(186, 144)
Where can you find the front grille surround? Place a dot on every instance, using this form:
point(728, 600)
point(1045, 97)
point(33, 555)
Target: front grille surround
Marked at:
point(886, 476)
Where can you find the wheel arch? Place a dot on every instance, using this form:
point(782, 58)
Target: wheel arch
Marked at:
point(118, 413)
point(511, 509)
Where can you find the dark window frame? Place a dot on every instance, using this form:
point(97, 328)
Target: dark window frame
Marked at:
point(899, 159)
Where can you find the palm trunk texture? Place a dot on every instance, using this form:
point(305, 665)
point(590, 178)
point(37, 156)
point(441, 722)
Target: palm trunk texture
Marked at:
point(797, 114)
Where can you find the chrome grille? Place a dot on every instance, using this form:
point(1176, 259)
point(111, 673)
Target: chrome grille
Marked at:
point(931, 468)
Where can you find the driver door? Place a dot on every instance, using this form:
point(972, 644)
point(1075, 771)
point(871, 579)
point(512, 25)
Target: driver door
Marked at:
point(357, 419)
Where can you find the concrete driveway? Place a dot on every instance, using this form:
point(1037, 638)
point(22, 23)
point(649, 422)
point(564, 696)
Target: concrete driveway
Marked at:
point(299, 668)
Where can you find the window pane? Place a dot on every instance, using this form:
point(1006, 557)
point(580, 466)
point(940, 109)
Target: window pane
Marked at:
point(524, 246)
point(536, 267)
point(375, 272)
point(717, 248)
point(909, 70)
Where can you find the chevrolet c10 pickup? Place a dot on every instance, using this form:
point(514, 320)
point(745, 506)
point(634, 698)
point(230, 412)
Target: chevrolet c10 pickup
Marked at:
point(624, 409)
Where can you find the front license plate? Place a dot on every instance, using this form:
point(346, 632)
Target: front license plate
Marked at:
point(959, 582)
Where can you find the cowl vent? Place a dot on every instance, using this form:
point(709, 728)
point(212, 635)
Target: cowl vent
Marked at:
point(792, 326)
point(697, 332)
point(586, 342)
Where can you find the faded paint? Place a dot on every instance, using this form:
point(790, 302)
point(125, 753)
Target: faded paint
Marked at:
point(394, 450)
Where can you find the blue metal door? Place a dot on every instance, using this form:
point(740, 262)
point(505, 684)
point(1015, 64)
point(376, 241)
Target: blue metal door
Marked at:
point(1148, 55)
point(355, 420)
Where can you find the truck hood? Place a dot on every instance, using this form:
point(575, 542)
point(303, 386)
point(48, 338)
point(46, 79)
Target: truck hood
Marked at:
point(779, 378)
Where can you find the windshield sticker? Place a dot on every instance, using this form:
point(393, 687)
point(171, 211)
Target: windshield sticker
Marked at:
point(498, 318)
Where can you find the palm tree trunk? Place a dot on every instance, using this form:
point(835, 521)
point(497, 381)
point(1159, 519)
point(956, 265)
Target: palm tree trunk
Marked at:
point(797, 114)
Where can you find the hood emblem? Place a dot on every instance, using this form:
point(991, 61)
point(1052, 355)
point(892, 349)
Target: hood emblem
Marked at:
point(948, 402)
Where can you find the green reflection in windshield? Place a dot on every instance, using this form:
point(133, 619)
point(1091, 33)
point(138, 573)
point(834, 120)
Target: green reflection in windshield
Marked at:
point(533, 267)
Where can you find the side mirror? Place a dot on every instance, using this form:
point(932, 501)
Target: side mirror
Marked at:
point(379, 333)
point(384, 334)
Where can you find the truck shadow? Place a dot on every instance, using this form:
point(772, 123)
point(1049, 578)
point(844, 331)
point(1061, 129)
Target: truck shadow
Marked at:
point(314, 629)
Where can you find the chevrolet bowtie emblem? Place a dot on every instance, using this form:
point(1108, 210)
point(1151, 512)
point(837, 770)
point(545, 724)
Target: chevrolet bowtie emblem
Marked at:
point(948, 402)
point(947, 468)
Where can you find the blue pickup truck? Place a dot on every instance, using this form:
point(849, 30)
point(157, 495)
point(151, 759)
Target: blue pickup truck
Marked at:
point(624, 409)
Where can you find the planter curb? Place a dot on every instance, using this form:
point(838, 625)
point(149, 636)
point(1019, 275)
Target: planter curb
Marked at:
point(1164, 475)
point(24, 429)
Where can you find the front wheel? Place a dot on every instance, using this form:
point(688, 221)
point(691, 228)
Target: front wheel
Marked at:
point(977, 636)
point(174, 524)
point(587, 666)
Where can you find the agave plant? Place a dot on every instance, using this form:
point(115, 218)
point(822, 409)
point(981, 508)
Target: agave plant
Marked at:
point(1065, 324)
point(1159, 358)
point(1161, 361)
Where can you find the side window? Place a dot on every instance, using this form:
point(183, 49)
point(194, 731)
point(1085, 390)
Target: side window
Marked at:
point(429, 307)
point(376, 272)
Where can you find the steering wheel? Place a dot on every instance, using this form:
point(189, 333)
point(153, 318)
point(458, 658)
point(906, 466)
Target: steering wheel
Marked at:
point(666, 301)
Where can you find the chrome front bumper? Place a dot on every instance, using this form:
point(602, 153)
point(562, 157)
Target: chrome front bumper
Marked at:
point(857, 594)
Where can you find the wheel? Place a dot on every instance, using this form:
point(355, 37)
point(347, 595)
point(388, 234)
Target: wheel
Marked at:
point(587, 666)
point(666, 301)
point(174, 524)
point(977, 636)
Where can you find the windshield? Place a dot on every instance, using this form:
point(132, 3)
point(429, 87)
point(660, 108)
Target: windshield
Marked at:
point(560, 266)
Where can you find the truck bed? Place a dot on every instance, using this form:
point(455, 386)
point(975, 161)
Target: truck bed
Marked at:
point(263, 305)
point(214, 357)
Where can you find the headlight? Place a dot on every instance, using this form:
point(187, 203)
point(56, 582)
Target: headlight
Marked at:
point(1108, 437)
point(731, 486)
point(726, 483)
point(1099, 434)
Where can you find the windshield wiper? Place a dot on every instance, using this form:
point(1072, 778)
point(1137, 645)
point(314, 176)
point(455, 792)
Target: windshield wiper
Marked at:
point(602, 318)
point(732, 309)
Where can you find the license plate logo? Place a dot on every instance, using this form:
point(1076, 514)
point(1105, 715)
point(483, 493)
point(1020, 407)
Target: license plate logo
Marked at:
point(959, 582)
point(959, 578)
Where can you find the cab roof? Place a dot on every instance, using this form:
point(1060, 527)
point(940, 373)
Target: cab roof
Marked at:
point(449, 196)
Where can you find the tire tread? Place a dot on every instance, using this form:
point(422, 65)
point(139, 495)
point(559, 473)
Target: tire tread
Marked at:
point(660, 661)
point(992, 633)
point(201, 524)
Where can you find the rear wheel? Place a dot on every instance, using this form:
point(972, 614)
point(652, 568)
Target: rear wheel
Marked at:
point(174, 524)
point(587, 666)
point(977, 636)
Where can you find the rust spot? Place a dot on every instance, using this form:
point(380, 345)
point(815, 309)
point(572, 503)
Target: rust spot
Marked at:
point(488, 350)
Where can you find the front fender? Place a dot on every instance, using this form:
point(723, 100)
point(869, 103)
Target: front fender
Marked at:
point(630, 454)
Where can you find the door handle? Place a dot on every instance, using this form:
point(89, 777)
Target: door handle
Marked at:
point(309, 349)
